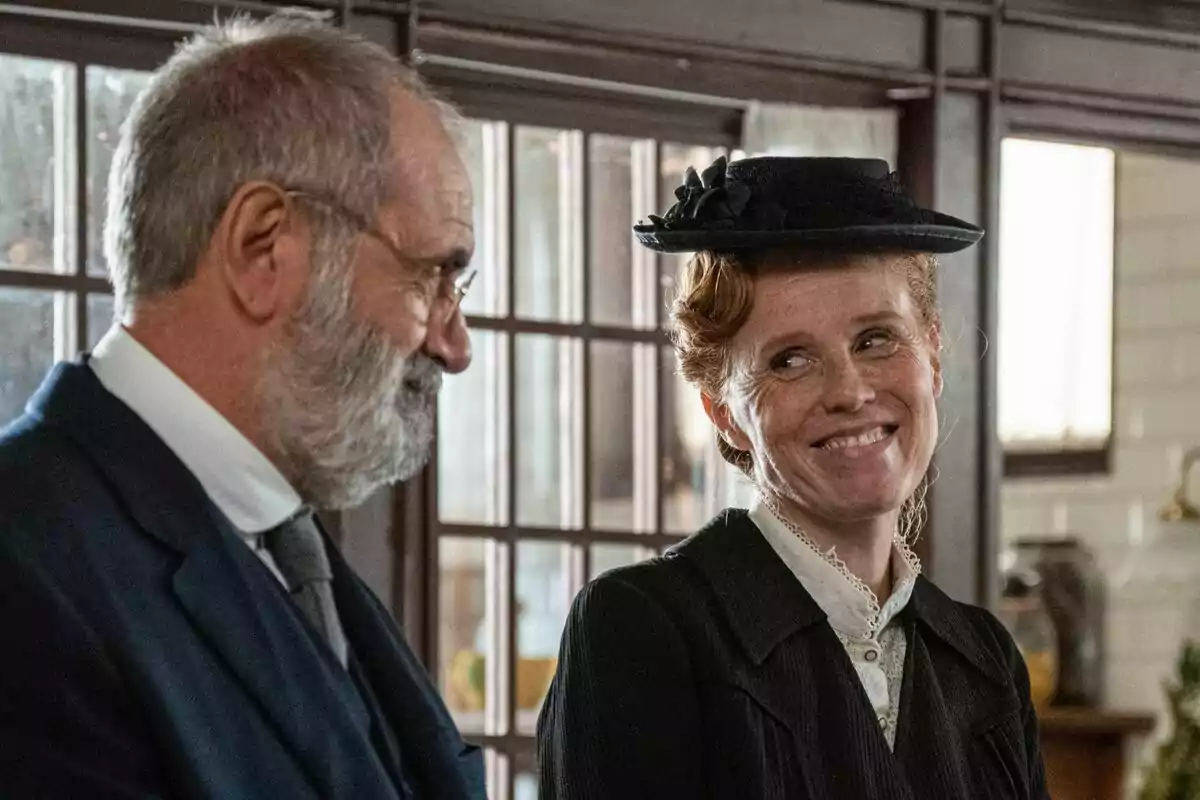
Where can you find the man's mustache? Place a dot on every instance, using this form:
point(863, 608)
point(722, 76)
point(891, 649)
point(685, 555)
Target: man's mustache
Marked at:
point(423, 375)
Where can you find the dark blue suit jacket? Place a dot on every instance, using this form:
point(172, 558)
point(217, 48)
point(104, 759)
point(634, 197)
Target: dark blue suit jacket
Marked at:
point(148, 653)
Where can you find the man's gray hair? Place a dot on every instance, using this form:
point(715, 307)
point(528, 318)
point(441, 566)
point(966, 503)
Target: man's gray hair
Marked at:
point(287, 100)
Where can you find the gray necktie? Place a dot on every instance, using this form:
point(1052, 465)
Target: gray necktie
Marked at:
point(299, 552)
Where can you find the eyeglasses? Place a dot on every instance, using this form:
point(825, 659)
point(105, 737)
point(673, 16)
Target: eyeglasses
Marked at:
point(451, 289)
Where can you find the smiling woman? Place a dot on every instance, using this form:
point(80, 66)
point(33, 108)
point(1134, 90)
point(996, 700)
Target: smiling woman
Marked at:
point(793, 650)
point(859, 331)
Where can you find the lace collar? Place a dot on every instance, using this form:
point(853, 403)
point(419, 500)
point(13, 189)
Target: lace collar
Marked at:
point(851, 606)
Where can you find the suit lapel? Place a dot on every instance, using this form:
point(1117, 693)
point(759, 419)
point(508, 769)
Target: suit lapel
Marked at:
point(762, 600)
point(809, 683)
point(961, 690)
point(231, 599)
point(928, 742)
point(437, 761)
point(796, 669)
point(293, 679)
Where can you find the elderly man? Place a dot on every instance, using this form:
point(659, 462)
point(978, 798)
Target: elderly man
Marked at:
point(289, 225)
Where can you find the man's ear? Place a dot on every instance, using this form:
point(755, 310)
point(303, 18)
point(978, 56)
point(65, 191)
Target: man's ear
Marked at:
point(722, 419)
point(253, 244)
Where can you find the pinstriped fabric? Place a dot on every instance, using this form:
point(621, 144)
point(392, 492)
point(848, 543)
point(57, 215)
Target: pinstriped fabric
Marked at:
point(711, 673)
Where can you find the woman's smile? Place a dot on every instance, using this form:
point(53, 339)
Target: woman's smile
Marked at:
point(868, 441)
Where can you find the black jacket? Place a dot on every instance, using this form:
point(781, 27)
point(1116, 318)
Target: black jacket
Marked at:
point(712, 673)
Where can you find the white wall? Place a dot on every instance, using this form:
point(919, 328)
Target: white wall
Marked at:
point(1153, 568)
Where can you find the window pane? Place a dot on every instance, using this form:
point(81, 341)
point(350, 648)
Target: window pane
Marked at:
point(27, 345)
point(737, 489)
point(544, 595)
point(1056, 267)
point(620, 192)
point(99, 317)
point(549, 431)
point(674, 161)
point(606, 557)
point(549, 224)
point(621, 393)
point(525, 786)
point(110, 96)
point(36, 164)
point(463, 629)
point(524, 766)
point(697, 482)
point(472, 444)
point(486, 163)
point(690, 461)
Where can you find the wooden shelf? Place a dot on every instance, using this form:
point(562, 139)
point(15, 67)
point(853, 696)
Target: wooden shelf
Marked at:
point(1084, 751)
point(1085, 721)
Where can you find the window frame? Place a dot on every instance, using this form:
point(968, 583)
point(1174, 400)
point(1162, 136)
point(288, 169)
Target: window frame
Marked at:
point(104, 46)
point(1060, 462)
point(604, 114)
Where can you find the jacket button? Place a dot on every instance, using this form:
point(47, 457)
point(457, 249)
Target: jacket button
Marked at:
point(871, 655)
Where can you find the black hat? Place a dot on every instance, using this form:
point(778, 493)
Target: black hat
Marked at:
point(853, 204)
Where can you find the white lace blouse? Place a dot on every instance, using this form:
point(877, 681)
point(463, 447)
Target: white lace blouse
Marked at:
point(874, 640)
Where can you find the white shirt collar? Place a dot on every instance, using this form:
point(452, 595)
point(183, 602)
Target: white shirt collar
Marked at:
point(852, 608)
point(238, 478)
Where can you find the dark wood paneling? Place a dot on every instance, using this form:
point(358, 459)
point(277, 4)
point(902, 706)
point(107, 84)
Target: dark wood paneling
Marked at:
point(964, 45)
point(524, 100)
point(1089, 28)
point(387, 32)
point(143, 14)
point(709, 72)
point(1167, 136)
point(1048, 58)
point(1057, 463)
point(90, 42)
point(1126, 107)
point(196, 13)
point(415, 566)
point(1152, 14)
point(867, 33)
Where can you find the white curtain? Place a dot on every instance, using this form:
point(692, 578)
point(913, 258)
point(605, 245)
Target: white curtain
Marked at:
point(785, 130)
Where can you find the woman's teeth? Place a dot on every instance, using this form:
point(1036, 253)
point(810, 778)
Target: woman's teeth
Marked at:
point(861, 440)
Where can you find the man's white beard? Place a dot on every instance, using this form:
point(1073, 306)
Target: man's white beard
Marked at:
point(346, 412)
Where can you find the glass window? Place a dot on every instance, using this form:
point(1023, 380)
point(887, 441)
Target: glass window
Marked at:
point(621, 393)
point(525, 786)
point(110, 97)
point(572, 413)
point(472, 440)
point(620, 193)
point(606, 557)
point(99, 317)
point(487, 162)
point(42, 217)
point(36, 164)
point(544, 593)
point(33, 325)
point(466, 630)
point(549, 226)
point(1056, 295)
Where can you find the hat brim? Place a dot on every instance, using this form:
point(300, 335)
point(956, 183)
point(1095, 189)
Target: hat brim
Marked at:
point(938, 239)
